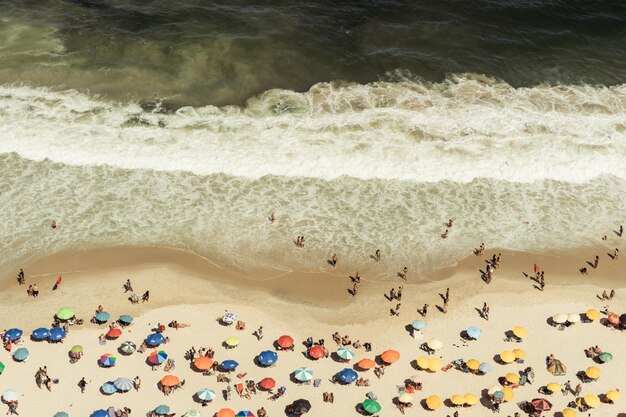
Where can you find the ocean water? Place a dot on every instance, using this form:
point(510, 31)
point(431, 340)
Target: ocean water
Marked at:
point(365, 125)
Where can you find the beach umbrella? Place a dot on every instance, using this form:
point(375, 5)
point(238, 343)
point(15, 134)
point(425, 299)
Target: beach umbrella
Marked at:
point(229, 365)
point(267, 357)
point(157, 357)
point(508, 394)
point(108, 388)
point(123, 384)
point(203, 363)
point(622, 319)
point(520, 332)
point(1, 368)
point(301, 406)
point(162, 409)
point(573, 317)
point(170, 381)
point(507, 356)
point(114, 333)
point(519, 353)
point(76, 349)
point(39, 334)
point(126, 319)
point(485, 367)
point(371, 406)
point(592, 314)
point(56, 334)
point(155, 339)
point(499, 394)
point(405, 398)
point(10, 395)
point(390, 356)
point(470, 399)
point(20, 354)
point(457, 400)
point(225, 412)
point(419, 324)
point(102, 316)
point(512, 378)
point(434, 364)
point(303, 374)
point(244, 413)
point(347, 375)
point(473, 332)
point(128, 347)
point(99, 413)
point(267, 383)
point(366, 363)
point(605, 357)
point(61, 414)
point(473, 364)
point(229, 318)
point(107, 360)
point(433, 402)
point(206, 394)
point(553, 387)
point(415, 378)
point(231, 341)
point(568, 412)
point(65, 313)
point(593, 372)
point(559, 318)
point(434, 344)
point(613, 318)
point(423, 362)
point(285, 342)
point(345, 353)
point(541, 404)
point(557, 368)
point(613, 395)
point(13, 334)
point(316, 352)
point(592, 400)
point(192, 413)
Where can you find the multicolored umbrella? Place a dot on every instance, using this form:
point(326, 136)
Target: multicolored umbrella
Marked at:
point(128, 347)
point(13, 334)
point(244, 413)
point(108, 388)
point(39, 334)
point(229, 318)
point(123, 384)
point(229, 365)
point(20, 354)
point(267, 357)
point(155, 339)
point(157, 357)
point(267, 383)
point(126, 319)
point(345, 353)
point(114, 333)
point(541, 404)
point(102, 316)
point(56, 334)
point(303, 374)
point(473, 332)
point(285, 342)
point(347, 375)
point(206, 394)
point(107, 360)
point(65, 313)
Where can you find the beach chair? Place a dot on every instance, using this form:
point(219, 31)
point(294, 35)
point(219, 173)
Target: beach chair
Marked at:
point(317, 383)
point(242, 391)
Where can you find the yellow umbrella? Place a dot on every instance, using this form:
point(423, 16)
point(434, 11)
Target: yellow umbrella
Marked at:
point(613, 395)
point(231, 341)
point(507, 356)
point(592, 314)
point(473, 364)
point(592, 400)
point(520, 332)
point(519, 353)
point(593, 372)
point(435, 365)
point(433, 402)
point(568, 412)
point(512, 378)
point(553, 387)
point(405, 398)
point(508, 393)
point(457, 400)
point(423, 362)
point(470, 399)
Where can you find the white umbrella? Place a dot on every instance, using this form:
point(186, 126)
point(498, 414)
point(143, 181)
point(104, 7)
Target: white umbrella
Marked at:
point(10, 395)
point(405, 398)
point(192, 413)
point(435, 344)
point(303, 374)
point(345, 353)
point(128, 347)
point(573, 317)
point(229, 318)
point(559, 318)
point(123, 384)
point(206, 394)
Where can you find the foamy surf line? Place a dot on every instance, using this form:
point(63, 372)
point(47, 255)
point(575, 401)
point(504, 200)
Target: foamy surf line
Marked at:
point(465, 128)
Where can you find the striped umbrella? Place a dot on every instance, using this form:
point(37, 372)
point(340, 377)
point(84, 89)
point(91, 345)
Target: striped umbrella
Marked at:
point(157, 357)
point(244, 413)
point(345, 353)
point(541, 404)
point(206, 394)
point(128, 347)
point(303, 374)
point(123, 384)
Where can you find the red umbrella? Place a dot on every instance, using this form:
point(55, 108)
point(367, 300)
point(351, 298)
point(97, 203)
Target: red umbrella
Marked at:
point(316, 352)
point(267, 383)
point(114, 333)
point(285, 342)
point(541, 404)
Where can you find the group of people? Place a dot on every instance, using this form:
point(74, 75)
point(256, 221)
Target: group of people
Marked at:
point(42, 378)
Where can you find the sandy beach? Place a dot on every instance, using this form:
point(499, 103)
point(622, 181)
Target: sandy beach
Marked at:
point(188, 289)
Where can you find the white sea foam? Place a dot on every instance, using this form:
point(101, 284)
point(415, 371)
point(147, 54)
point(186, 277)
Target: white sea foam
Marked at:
point(465, 128)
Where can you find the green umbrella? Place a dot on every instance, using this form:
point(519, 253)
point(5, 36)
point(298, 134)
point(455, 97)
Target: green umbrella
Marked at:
point(1, 367)
point(61, 414)
point(371, 406)
point(605, 357)
point(303, 374)
point(76, 349)
point(65, 313)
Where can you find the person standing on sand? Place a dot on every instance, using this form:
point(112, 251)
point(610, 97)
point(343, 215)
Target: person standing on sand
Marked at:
point(405, 270)
point(621, 230)
point(484, 310)
point(259, 333)
point(392, 294)
point(145, 297)
point(82, 384)
point(615, 254)
point(377, 255)
point(399, 293)
point(444, 310)
point(447, 297)
point(137, 383)
point(57, 284)
point(449, 224)
point(354, 289)
point(596, 261)
point(396, 311)
point(424, 310)
point(445, 234)
point(566, 388)
point(612, 294)
point(334, 259)
point(20, 277)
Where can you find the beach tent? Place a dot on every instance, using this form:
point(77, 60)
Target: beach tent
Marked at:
point(371, 406)
point(229, 365)
point(20, 354)
point(102, 316)
point(390, 356)
point(157, 357)
point(366, 363)
point(301, 406)
point(203, 363)
point(347, 375)
point(557, 368)
point(225, 412)
point(39, 334)
point(303, 374)
point(128, 347)
point(13, 334)
point(267, 383)
point(155, 339)
point(285, 342)
point(65, 313)
point(345, 353)
point(56, 334)
point(267, 358)
point(123, 384)
point(433, 402)
point(206, 394)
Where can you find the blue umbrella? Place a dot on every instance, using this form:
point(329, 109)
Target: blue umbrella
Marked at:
point(348, 375)
point(267, 357)
point(108, 388)
point(102, 316)
point(125, 318)
point(485, 367)
point(473, 332)
point(39, 334)
point(56, 334)
point(229, 365)
point(20, 354)
point(100, 413)
point(419, 324)
point(155, 339)
point(162, 409)
point(498, 394)
point(13, 334)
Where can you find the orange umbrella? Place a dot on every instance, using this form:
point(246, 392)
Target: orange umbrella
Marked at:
point(390, 356)
point(285, 342)
point(203, 363)
point(170, 381)
point(613, 318)
point(366, 364)
point(114, 333)
point(267, 383)
point(225, 412)
point(316, 352)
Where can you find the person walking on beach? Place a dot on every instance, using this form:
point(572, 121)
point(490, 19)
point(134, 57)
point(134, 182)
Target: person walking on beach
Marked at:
point(20, 277)
point(596, 261)
point(396, 311)
point(399, 293)
point(137, 383)
point(259, 333)
point(578, 389)
point(392, 294)
point(377, 255)
point(612, 294)
point(333, 260)
point(615, 254)
point(447, 296)
point(621, 230)
point(128, 286)
point(354, 288)
point(57, 284)
point(145, 297)
point(444, 310)
point(566, 388)
point(445, 234)
point(484, 311)
point(82, 384)
point(449, 224)
point(35, 291)
point(12, 408)
point(424, 310)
